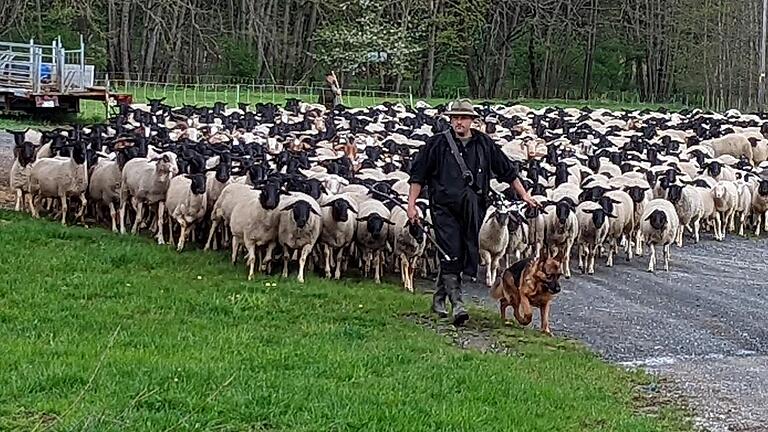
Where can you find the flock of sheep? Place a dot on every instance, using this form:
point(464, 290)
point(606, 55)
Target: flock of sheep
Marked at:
point(327, 188)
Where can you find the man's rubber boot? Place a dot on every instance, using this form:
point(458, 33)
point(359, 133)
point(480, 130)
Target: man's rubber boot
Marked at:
point(438, 299)
point(453, 287)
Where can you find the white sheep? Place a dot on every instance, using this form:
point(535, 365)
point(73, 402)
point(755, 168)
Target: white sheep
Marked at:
point(408, 243)
point(726, 196)
point(232, 195)
point(187, 203)
point(20, 171)
point(743, 205)
point(593, 230)
point(493, 241)
point(299, 227)
point(146, 181)
point(689, 208)
point(60, 177)
point(338, 231)
point(622, 226)
point(104, 188)
point(736, 145)
point(660, 226)
point(372, 233)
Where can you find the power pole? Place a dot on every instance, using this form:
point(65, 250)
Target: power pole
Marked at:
point(761, 82)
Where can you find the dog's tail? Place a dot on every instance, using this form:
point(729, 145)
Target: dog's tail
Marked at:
point(497, 289)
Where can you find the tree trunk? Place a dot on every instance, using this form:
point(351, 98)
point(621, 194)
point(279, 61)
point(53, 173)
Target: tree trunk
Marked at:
point(125, 40)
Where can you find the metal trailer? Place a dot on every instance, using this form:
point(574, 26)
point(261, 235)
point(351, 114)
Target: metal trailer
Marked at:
point(46, 79)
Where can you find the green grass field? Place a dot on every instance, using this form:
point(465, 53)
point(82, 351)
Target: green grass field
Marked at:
point(107, 333)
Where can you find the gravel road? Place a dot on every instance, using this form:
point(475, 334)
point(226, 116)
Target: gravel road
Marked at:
point(704, 324)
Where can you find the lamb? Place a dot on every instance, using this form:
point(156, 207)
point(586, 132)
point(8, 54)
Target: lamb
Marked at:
point(660, 225)
point(60, 177)
point(593, 230)
point(708, 206)
point(146, 181)
point(408, 241)
point(338, 231)
point(187, 204)
point(372, 233)
point(299, 227)
point(726, 196)
point(493, 241)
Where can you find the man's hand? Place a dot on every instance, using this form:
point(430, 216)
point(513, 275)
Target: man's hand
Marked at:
point(413, 215)
point(532, 202)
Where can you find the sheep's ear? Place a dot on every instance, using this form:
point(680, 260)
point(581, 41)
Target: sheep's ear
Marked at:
point(612, 216)
point(615, 201)
point(350, 208)
point(363, 219)
point(387, 221)
point(312, 209)
point(590, 211)
point(289, 206)
point(649, 217)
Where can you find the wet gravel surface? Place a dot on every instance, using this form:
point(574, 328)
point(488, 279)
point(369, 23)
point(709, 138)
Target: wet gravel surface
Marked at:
point(704, 324)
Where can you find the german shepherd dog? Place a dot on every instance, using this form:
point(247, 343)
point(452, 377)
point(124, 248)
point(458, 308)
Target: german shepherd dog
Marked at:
point(529, 282)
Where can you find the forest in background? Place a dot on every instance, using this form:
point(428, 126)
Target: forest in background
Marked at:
point(705, 52)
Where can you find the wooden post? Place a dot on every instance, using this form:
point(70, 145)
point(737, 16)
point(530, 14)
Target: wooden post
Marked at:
point(761, 82)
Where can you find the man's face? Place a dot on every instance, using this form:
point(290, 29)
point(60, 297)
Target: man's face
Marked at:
point(461, 124)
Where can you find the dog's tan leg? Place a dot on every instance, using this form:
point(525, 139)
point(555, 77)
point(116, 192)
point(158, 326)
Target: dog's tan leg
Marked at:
point(545, 319)
point(503, 305)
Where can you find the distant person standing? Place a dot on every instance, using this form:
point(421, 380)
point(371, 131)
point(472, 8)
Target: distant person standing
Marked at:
point(331, 95)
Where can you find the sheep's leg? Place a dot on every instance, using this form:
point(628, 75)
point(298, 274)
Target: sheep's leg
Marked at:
point(250, 258)
point(64, 209)
point(81, 213)
point(211, 234)
point(139, 215)
point(182, 236)
point(19, 195)
point(266, 264)
point(696, 230)
point(732, 220)
point(303, 260)
point(611, 248)
point(666, 257)
point(719, 236)
point(160, 218)
point(581, 258)
point(743, 219)
point(652, 260)
point(679, 236)
point(339, 263)
point(567, 259)
point(327, 255)
point(629, 248)
point(113, 216)
point(235, 248)
point(639, 243)
point(33, 206)
point(377, 266)
point(759, 225)
point(486, 260)
point(367, 263)
point(765, 221)
point(592, 253)
point(286, 258)
point(404, 271)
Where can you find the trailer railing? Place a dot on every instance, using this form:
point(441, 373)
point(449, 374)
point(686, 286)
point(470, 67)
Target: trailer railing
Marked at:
point(36, 68)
